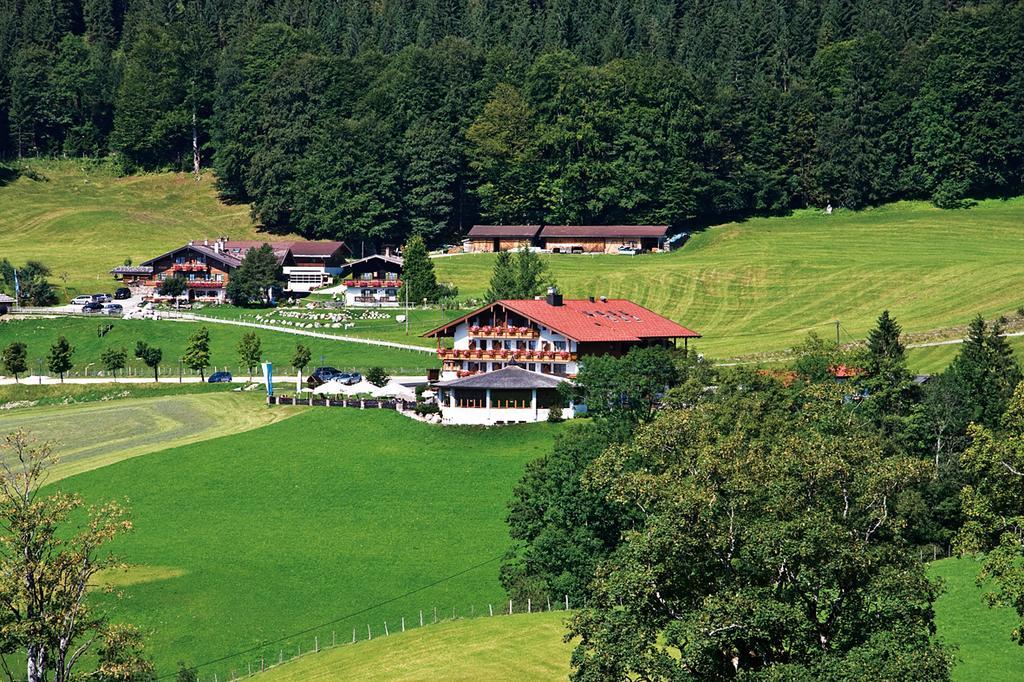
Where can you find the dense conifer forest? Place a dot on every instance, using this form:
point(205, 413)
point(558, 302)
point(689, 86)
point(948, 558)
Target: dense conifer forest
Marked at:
point(379, 119)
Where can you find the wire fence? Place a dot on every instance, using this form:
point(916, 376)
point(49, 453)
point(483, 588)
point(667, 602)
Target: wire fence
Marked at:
point(356, 631)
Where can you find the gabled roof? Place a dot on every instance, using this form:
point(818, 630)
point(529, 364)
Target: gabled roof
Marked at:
point(509, 377)
point(393, 260)
point(4, 298)
point(588, 321)
point(510, 231)
point(228, 259)
point(604, 231)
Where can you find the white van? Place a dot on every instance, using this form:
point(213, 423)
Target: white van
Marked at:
point(81, 300)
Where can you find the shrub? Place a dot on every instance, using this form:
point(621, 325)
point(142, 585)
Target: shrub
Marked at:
point(424, 409)
point(378, 377)
point(555, 415)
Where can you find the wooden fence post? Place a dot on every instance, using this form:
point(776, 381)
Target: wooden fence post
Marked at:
point(490, 608)
point(529, 605)
point(421, 617)
point(369, 635)
point(510, 607)
point(566, 602)
point(316, 644)
point(403, 623)
point(386, 633)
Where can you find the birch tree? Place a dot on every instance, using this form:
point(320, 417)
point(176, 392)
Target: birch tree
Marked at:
point(48, 565)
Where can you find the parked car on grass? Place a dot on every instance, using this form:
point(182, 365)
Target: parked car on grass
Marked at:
point(220, 378)
point(81, 300)
point(122, 293)
point(92, 307)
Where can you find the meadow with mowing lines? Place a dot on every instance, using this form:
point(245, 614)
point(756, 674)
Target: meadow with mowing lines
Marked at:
point(521, 646)
point(78, 217)
point(171, 337)
point(327, 514)
point(97, 434)
point(763, 284)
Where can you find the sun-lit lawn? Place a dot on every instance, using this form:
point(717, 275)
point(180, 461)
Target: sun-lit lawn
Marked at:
point(980, 634)
point(117, 426)
point(344, 515)
point(517, 647)
point(171, 337)
point(762, 284)
point(82, 220)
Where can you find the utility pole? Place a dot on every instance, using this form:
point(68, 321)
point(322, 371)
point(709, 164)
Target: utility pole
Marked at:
point(406, 287)
point(837, 332)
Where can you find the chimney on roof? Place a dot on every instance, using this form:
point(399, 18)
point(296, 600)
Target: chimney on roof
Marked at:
point(206, 242)
point(191, 242)
point(604, 299)
point(554, 298)
point(590, 298)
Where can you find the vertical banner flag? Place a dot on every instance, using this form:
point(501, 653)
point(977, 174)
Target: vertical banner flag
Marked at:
point(268, 376)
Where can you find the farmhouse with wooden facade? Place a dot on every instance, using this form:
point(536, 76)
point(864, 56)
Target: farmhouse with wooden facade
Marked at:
point(373, 282)
point(207, 266)
point(569, 238)
point(543, 340)
point(494, 238)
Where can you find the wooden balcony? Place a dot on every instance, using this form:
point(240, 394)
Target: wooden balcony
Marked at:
point(506, 355)
point(502, 332)
point(204, 284)
point(192, 266)
point(373, 283)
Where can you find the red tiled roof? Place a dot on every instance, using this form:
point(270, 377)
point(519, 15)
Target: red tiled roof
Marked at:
point(584, 321)
point(604, 231)
point(513, 231)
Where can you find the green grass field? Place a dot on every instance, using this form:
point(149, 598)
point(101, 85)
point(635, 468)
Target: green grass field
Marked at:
point(97, 434)
point(171, 336)
point(761, 285)
point(518, 647)
point(83, 220)
point(980, 634)
point(532, 647)
point(366, 327)
point(330, 515)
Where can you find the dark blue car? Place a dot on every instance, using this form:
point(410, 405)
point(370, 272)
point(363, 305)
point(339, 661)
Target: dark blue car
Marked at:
point(220, 378)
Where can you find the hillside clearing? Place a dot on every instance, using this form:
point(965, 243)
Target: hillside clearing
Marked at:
point(97, 434)
point(81, 219)
point(346, 517)
point(518, 647)
point(763, 284)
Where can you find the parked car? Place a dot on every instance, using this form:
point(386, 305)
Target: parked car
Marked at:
point(81, 300)
point(102, 298)
point(626, 250)
point(220, 378)
point(349, 378)
point(92, 307)
point(113, 309)
point(121, 293)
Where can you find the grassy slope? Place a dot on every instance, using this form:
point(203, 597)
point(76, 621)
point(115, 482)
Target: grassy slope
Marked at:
point(324, 514)
point(278, 347)
point(531, 647)
point(936, 358)
point(519, 647)
point(981, 635)
point(763, 284)
point(82, 220)
point(97, 434)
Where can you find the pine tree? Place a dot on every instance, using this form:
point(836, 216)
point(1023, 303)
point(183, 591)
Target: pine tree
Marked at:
point(197, 352)
point(884, 347)
point(503, 278)
point(59, 358)
point(531, 274)
point(419, 283)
